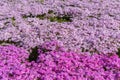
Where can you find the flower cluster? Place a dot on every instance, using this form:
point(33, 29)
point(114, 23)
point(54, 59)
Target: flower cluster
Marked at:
point(57, 65)
point(81, 25)
point(14, 64)
point(77, 28)
point(72, 66)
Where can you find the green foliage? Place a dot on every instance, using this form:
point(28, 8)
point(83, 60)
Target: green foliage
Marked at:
point(41, 1)
point(64, 18)
point(13, 21)
point(42, 16)
point(3, 42)
point(60, 19)
point(34, 54)
point(50, 11)
point(13, 18)
point(118, 53)
point(30, 15)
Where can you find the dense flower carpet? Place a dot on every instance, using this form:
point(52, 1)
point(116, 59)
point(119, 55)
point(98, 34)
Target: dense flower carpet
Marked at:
point(59, 39)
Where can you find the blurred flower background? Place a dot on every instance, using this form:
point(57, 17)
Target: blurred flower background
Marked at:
point(80, 25)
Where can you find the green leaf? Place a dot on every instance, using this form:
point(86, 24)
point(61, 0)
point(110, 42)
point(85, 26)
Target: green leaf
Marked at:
point(34, 54)
point(118, 53)
point(42, 16)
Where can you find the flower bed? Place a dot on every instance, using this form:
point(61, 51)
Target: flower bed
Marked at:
point(57, 65)
point(81, 25)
